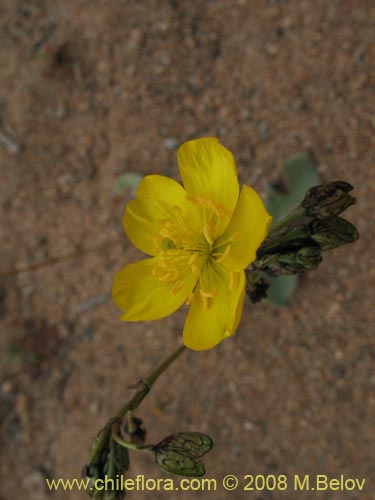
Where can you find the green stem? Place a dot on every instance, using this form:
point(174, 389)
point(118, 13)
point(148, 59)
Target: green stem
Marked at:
point(145, 387)
point(151, 379)
point(147, 383)
point(127, 444)
point(295, 214)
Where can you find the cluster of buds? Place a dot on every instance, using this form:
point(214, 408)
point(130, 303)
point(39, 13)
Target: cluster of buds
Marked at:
point(295, 244)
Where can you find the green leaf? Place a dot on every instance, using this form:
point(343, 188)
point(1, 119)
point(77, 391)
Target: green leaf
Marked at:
point(300, 174)
point(281, 289)
point(130, 180)
point(178, 454)
point(109, 462)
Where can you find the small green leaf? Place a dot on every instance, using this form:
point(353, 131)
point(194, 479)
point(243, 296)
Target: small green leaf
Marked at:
point(300, 176)
point(111, 462)
point(178, 454)
point(130, 180)
point(301, 171)
point(281, 289)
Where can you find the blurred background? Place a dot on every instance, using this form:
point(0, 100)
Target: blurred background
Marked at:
point(90, 90)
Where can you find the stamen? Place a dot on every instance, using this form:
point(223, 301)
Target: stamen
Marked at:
point(206, 301)
point(176, 210)
point(209, 232)
point(172, 276)
point(166, 234)
point(218, 209)
point(177, 287)
point(235, 236)
point(163, 222)
point(193, 259)
point(224, 254)
point(185, 249)
point(195, 269)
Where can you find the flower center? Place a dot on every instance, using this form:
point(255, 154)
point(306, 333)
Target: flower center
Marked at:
point(189, 244)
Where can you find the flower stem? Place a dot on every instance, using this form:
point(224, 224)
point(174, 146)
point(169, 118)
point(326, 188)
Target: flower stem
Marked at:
point(126, 444)
point(146, 384)
point(144, 387)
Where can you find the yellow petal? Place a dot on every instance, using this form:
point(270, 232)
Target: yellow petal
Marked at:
point(211, 319)
point(156, 197)
point(245, 232)
point(208, 170)
point(143, 296)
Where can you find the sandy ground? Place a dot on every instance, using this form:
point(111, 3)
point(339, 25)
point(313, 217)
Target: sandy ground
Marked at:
point(93, 89)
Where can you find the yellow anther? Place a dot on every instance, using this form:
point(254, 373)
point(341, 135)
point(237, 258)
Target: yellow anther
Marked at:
point(158, 272)
point(206, 294)
point(235, 236)
point(177, 286)
point(163, 222)
point(206, 301)
point(224, 255)
point(172, 276)
point(166, 233)
point(176, 209)
point(209, 232)
point(222, 211)
point(207, 235)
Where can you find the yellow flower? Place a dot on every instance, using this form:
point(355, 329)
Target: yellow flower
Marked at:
point(200, 237)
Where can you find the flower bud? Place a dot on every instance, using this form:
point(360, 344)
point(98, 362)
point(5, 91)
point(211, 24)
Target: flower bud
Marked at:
point(327, 200)
point(304, 259)
point(293, 262)
point(333, 232)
